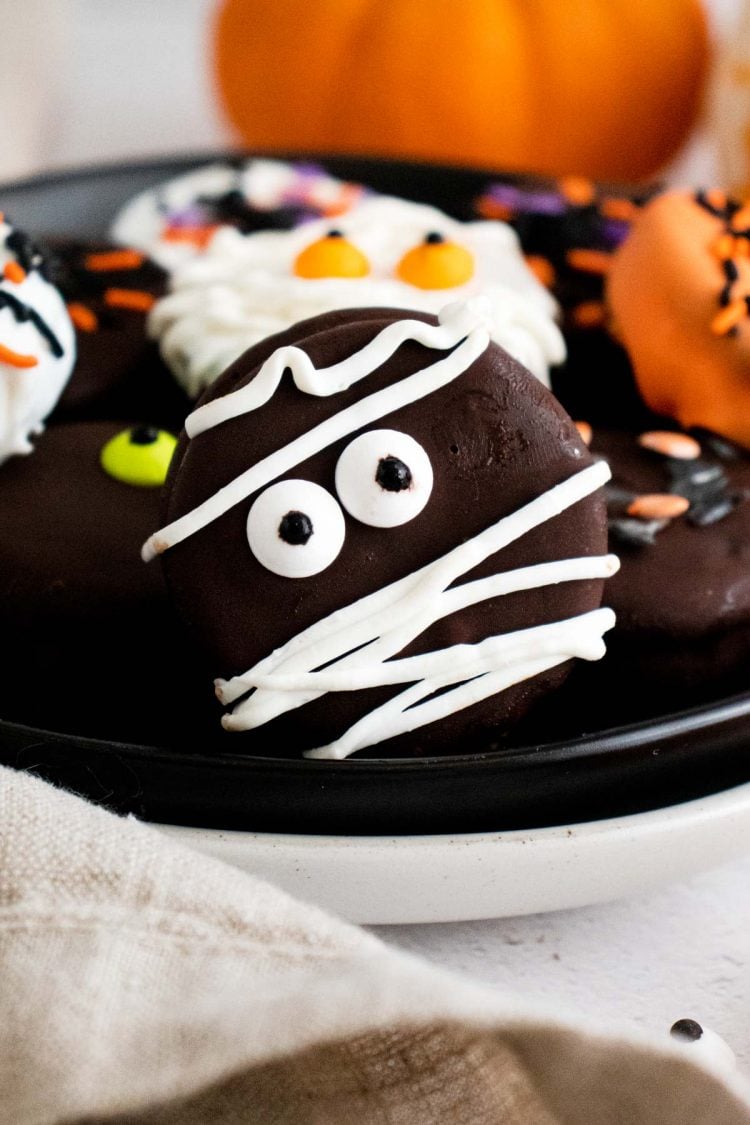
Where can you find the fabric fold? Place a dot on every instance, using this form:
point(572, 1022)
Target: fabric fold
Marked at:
point(142, 982)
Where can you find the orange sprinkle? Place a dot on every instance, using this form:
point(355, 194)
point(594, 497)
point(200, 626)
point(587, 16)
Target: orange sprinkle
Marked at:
point(584, 429)
point(489, 208)
point(16, 359)
point(725, 247)
point(589, 261)
point(114, 260)
point(658, 506)
point(717, 198)
point(542, 269)
point(347, 197)
point(623, 210)
point(196, 236)
point(13, 272)
point(589, 314)
point(136, 299)
point(83, 317)
point(729, 317)
point(577, 190)
point(741, 219)
point(669, 444)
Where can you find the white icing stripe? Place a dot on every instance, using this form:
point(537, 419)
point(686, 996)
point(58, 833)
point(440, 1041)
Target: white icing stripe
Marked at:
point(458, 322)
point(342, 676)
point(582, 636)
point(441, 666)
point(396, 614)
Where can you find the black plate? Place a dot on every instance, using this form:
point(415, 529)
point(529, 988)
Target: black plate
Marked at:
point(581, 776)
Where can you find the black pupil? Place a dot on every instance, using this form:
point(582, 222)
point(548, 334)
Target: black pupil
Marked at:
point(295, 528)
point(393, 475)
point(143, 435)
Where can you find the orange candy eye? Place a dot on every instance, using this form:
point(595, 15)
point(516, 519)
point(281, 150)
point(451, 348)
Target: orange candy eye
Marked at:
point(331, 256)
point(436, 264)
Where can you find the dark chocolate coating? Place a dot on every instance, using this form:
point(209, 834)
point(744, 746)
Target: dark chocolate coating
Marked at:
point(496, 439)
point(92, 634)
point(118, 371)
point(682, 601)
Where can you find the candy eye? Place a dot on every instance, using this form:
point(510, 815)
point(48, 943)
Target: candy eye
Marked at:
point(436, 263)
point(295, 528)
point(384, 478)
point(331, 256)
point(139, 456)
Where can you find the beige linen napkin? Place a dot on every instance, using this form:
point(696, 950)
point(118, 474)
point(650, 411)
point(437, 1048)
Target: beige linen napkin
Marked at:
point(142, 983)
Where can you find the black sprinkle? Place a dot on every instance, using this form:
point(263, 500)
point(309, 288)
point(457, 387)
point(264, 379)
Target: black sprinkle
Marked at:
point(295, 528)
point(689, 1030)
point(725, 295)
point(393, 475)
point(731, 273)
point(701, 198)
point(143, 435)
point(707, 488)
point(233, 208)
point(334, 233)
point(716, 444)
point(636, 533)
point(618, 500)
point(434, 238)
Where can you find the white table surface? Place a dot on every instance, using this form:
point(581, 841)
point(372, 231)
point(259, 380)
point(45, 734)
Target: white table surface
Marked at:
point(682, 951)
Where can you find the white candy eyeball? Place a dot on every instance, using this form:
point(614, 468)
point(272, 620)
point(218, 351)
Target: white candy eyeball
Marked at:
point(295, 528)
point(703, 1045)
point(384, 478)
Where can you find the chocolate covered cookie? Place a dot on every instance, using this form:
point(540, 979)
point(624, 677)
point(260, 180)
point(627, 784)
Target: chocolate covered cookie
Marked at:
point(109, 291)
point(679, 516)
point(385, 533)
point(89, 627)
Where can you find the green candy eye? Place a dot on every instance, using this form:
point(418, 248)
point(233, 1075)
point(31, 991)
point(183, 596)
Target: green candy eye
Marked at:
point(139, 456)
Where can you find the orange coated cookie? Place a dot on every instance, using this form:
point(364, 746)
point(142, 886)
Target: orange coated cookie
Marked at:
point(679, 289)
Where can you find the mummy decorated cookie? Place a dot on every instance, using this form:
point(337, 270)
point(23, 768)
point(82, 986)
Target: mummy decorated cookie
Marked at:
point(385, 252)
point(37, 343)
point(679, 290)
point(384, 532)
point(176, 221)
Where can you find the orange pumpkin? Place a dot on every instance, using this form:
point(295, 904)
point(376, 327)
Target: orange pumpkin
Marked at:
point(604, 88)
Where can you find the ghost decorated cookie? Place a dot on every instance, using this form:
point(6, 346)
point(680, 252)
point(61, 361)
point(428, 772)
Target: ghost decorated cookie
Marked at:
point(383, 252)
point(384, 534)
point(37, 342)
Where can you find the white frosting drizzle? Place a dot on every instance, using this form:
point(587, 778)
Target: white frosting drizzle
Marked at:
point(243, 288)
point(462, 322)
point(28, 394)
point(542, 649)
